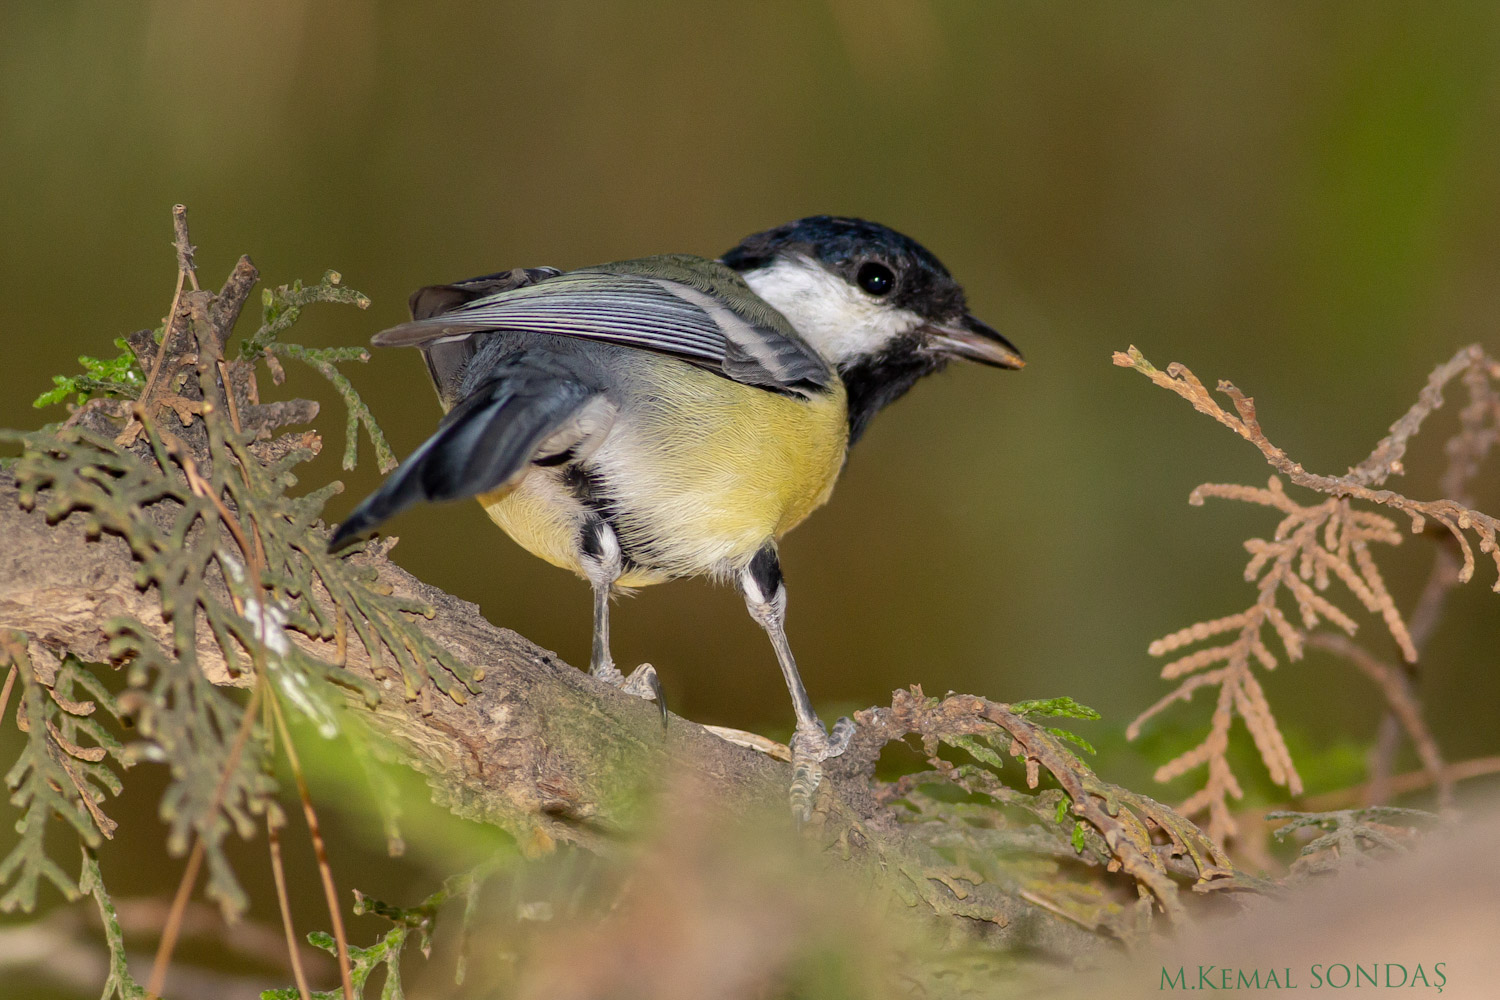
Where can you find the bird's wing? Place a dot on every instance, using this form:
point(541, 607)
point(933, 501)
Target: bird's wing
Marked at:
point(671, 305)
point(448, 356)
point(521, 414)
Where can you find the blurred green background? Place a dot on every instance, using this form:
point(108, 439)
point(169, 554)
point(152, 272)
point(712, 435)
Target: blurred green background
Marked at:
point(1302, 198)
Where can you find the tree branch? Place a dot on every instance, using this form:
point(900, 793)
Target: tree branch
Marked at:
point(543, 750)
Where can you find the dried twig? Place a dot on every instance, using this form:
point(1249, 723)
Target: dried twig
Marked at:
point(1384, 461)
point(1478, 431)
point(185, 249)
point(169, 355)
point(1402, 704)
point(274, 822)
point(1312, 546)
point(320, 850)
point(1122, 820)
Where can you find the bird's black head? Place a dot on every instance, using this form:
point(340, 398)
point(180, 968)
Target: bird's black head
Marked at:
point(876, 304)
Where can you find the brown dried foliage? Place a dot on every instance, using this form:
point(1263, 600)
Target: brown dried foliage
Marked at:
point(1312, 547)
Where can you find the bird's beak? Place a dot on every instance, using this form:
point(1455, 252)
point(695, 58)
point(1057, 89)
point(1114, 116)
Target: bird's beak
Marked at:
point(973, 340)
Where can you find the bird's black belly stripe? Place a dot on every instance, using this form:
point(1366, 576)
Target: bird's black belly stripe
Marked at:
point(586, 486)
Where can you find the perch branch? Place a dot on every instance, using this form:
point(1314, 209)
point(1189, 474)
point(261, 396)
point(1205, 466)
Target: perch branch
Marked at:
point(542, 749)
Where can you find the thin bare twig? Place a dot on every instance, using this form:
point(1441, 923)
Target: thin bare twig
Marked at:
point(10, 682)
point(1402, 784)
point(173, 925)
point(185, 249)
point(1401, 702)
point(1479, 429)
point(320, 850)
point(278, 874)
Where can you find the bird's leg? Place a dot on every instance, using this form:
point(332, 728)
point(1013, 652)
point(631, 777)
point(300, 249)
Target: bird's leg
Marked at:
point(601, 664)
point(765, 596)
point(604, 562)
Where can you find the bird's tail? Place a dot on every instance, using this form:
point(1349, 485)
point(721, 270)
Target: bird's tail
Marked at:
point(484, 444)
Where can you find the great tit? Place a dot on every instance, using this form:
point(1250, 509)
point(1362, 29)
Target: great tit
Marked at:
point(674, 416)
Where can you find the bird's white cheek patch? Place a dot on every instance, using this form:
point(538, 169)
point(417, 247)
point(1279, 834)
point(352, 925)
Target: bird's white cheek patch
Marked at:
point(838, 320)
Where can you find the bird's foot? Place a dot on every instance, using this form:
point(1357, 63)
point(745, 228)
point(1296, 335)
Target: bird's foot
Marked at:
point(811, 745)
point(642, 682)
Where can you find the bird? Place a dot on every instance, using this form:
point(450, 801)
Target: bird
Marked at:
point(675, 416)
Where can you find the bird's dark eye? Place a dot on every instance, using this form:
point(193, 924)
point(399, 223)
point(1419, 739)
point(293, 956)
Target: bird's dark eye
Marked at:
point(875, 278)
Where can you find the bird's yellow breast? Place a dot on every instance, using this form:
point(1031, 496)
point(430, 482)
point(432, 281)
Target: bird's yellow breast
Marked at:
point(699, 472)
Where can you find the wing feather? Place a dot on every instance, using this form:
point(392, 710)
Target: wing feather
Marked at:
point(637, 304)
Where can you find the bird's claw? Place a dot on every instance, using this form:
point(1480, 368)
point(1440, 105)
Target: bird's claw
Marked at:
point(642, 682)
point(811, 745)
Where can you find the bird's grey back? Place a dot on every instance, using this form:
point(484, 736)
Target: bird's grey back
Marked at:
point(687, 307)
